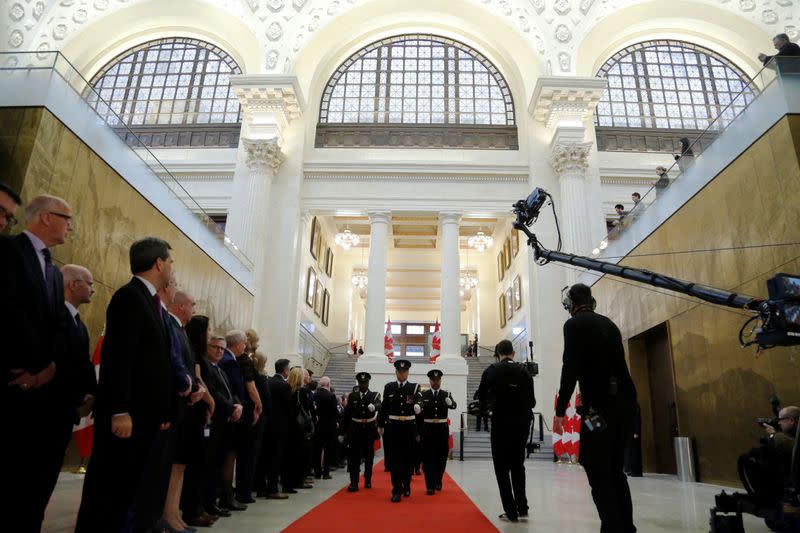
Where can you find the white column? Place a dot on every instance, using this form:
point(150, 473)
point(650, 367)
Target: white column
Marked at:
point(569, 157)
point(450, 299)
point(262, 159)
point(376, 286)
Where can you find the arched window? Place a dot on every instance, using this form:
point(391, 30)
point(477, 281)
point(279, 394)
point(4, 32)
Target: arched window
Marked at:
point(670, 84)
point(170, 84)
point(427, 81)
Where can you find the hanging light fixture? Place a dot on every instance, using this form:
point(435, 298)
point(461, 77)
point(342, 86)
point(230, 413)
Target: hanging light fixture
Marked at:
point(480, 241)
point(359, 278)
point(347, 239)
point(467, 280)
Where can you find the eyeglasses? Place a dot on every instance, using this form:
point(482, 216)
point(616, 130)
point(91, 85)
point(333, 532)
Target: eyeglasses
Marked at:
point(11, 220)
point(214, 347)
point(66, 217)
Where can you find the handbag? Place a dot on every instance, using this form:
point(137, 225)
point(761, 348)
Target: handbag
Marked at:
point(304, 420)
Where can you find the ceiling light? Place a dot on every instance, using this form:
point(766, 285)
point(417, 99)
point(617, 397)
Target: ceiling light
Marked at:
point(347, 239)
point(480, 241)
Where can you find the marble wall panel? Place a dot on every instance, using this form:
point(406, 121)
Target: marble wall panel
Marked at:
point(721, 388)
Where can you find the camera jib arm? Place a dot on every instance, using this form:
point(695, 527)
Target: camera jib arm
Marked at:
point(779, 316)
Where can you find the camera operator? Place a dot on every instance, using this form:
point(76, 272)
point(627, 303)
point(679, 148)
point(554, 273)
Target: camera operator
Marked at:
point(507, 388)
point(764, 471)
point(595, 358)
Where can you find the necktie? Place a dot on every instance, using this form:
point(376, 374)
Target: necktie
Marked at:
point(49, 276)
point(159, 309)
point(82, 329)
point(224, 381)
point(435, 394)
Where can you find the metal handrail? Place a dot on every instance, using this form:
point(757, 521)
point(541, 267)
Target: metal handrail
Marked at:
point(461, 432)
point(319, 342)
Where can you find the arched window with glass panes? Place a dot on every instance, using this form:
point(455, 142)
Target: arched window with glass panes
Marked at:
point(672, 85)
point(421, 91)
point(172, 92)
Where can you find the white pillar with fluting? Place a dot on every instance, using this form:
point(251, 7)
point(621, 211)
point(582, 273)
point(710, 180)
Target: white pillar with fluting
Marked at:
point(569, 157)
point(376, 284)
point(450, 298)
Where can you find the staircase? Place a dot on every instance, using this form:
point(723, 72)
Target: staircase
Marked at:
point(342, 371)
point(477, 444)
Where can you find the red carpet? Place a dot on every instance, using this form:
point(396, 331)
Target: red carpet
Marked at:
point(370, 510)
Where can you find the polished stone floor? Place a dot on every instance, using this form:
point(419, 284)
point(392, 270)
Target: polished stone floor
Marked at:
point(558, 494)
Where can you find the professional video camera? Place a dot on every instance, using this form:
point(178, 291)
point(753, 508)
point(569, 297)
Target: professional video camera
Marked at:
point(775, 403)
point(530, 365)
point(776, 321)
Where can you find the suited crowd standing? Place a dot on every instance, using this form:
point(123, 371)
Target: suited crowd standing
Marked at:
point(397, 425)
point(507, 389)
point(359, 431)
point(594, 357)
point(434, 431)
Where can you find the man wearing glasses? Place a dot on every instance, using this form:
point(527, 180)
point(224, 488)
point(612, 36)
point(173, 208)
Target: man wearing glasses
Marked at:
point(33, 296)
point(9, 203)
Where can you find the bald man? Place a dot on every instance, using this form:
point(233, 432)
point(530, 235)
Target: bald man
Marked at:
point(325, 430)
point(34, 404)
point(78, 290)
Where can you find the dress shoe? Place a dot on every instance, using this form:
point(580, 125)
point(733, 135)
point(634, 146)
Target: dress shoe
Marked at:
point(523, 514)
point(352, 488)
point(327, 476)
point(213, 518)
point(278, 496)
point(306, 486)
point(367, 484)
point(262, 494)
point(506, 518)
point(290, 491)
point(199, 521)
point(407, 493)
point(215, 510)
point(232, 505)
point(246, 500)
point(395, 498)
point(430, 492)
point(309, 480)
point(438, 486)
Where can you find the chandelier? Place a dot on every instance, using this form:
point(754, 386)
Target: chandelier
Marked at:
point(480, 241)
point(359, 279)
point(347, 239)
point(468, 281)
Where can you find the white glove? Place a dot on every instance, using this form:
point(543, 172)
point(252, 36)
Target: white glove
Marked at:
point(417, 409)
point(341, 439)
point(448, 402)
point(371, 408)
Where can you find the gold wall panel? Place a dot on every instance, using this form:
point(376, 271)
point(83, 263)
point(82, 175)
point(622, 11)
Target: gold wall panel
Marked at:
point(721, 388)
point(109, 215)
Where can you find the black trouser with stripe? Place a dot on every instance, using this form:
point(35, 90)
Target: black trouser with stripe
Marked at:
point(360, 445)
point(399, 438)
point(434, 452)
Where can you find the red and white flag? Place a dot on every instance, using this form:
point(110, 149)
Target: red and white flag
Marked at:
point(84, 430)
point(388, 342)
point(450, 438)
point(436, 344)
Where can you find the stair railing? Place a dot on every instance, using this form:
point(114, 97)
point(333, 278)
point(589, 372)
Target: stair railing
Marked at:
point(461, 431)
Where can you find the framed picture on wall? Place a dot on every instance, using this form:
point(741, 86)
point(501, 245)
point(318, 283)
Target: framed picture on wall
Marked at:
point(502, 302)
point(326, 304)
point(514, 242)
point(501, 266)
point(311, 284)
point(315, 238)
point(507, 253)
point(517, 290)
point(318, 298)
point(509, 299)
point(329, 262)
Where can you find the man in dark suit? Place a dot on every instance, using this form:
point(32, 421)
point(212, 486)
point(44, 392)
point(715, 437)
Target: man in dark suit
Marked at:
point(595, 358)
point(397, 418)
point(325, 429)
point(507, 389)
point(784, 46)
point(278, 427)
point(136, 401)
point(78, 290)
point(34, 316)
point(434, 431)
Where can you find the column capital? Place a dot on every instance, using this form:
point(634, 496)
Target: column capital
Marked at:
point(379, 217)
point(567, 157)
point(450, 217)
point(262, 154)
point(565, 99)
point(271, 98)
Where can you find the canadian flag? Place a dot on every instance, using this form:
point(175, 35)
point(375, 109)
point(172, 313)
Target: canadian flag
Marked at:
point(450, 438)
point(84, 430)
point(436, 344)
point(351, 347)
point(388, 342)
point(576, 436)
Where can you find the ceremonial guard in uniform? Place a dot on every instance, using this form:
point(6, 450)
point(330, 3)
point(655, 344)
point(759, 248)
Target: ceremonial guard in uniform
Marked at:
point(397, 424)
point(434, 432)
point(359, 430)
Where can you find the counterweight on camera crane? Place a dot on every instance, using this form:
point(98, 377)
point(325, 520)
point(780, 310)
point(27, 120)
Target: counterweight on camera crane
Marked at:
point(778, 317)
